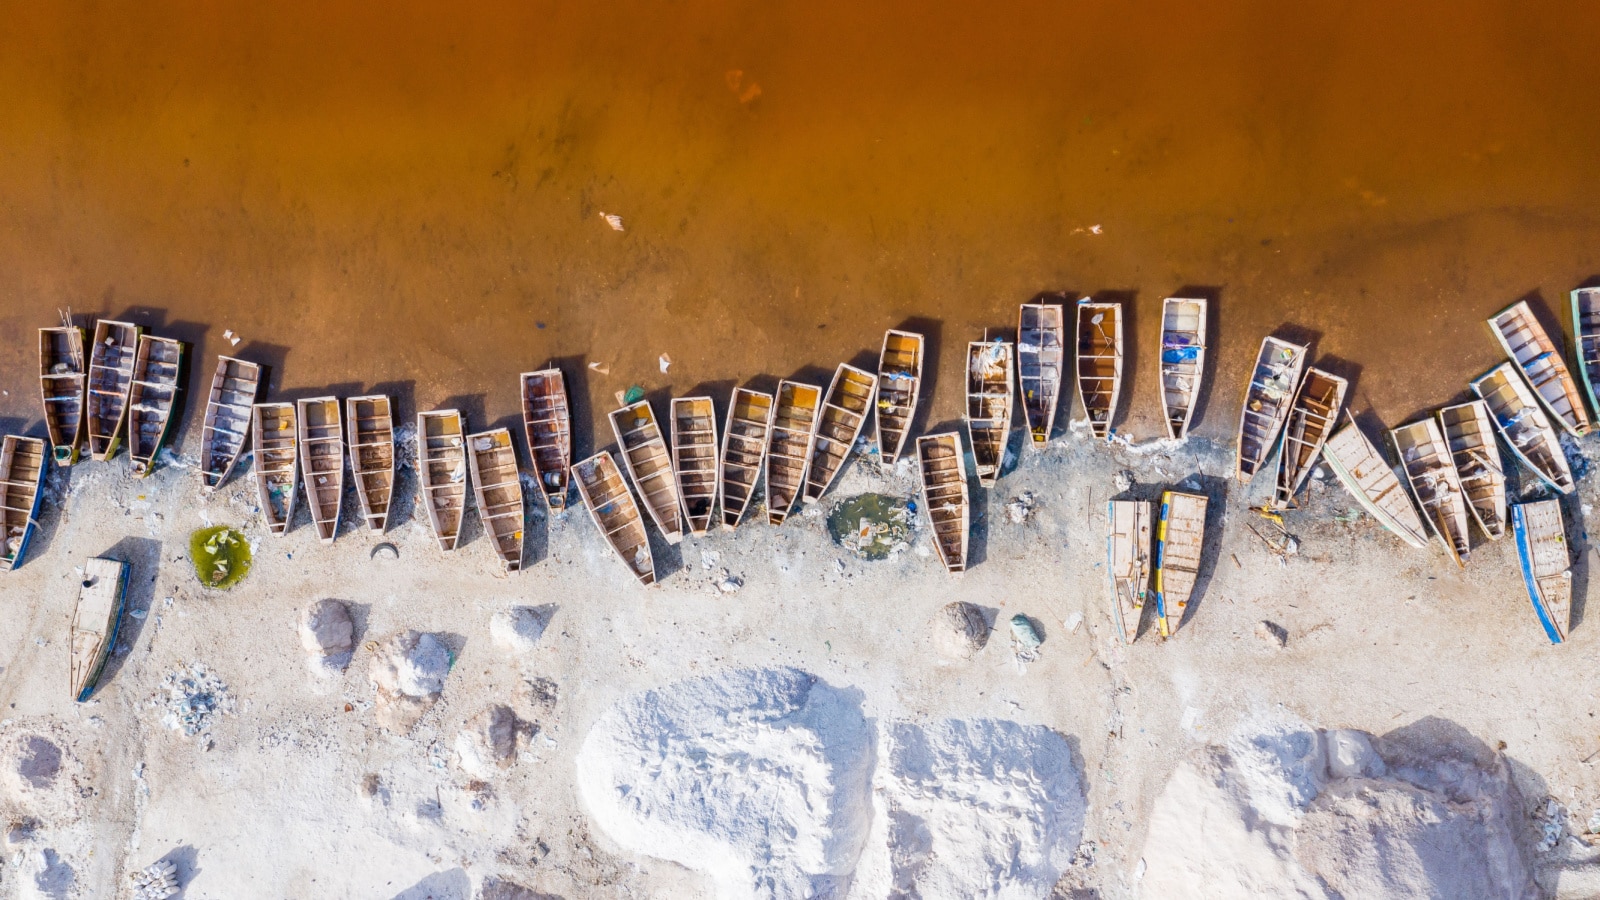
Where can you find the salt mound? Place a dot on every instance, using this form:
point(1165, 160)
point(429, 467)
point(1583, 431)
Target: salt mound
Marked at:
point(519, 628)
point(756, 777)
point(408, 673)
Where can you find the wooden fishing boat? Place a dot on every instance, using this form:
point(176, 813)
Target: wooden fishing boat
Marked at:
point(944, 496)
point(744, 448)
point(612, 508)
point(1540, 360)
point(899, 388)
point(547, 420)
point(644, 453)
point(1183, 361)
point(96, 621)
point(1434, 483)
point(988, 413)
point(1312, 417)
point(151, 396)
point(1273, 383)
point(442, 468)
point(794, 421)
point(1586, 322)
point(234, 387)
point(1128, 558)
point(1470, 437)
point(1546, 564)
point(110, 374)
point(1041, 356)
point(22, 472)
point(1180, 541)
point(497, 485)
point(694, 459)
point(322, 462)
point(63, 381)
point(370, 423)
point(275, 441)
point(1524, 426)
point(1368, 477)
point(844, 414)
point(1099, 363)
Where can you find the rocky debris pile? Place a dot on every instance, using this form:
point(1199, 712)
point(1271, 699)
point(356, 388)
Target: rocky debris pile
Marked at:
point(156, 881)
point(193, 697)
point(408, 672)
point(487, 744)
point(328, 635)
point(1021, 507)
point(519, 628)
point(960, 630)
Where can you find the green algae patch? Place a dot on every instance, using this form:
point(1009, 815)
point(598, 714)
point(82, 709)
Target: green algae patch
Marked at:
point(221, 556)
point(872, 525)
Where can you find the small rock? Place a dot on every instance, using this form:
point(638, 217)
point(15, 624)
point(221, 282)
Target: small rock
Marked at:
point(408, 673)
point(1122, 480)
point(1025, 632)
point(488, 743)
point(1273, 633)
point(730, 584)
point(960, 630)
point(519, 628)
point(328, 634)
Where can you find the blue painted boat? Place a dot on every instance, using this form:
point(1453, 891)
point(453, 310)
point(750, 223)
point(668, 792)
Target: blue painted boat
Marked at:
point(1546, 564)
point(96, 621)
point(22, 471)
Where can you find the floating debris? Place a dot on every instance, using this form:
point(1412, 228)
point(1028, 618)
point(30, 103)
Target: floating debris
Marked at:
point(872, 525)
point(666, 363)
point(633, 395)
point(193, 697)
point(221, 556)
point(614, 221)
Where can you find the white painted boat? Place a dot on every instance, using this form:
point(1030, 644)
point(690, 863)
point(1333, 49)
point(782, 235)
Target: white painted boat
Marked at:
point(1128, 561)
point(1524, 427)
point(1469, 434)
point(1041, 363)
point(1273, 383)
point(1182, 361)
point(234, 387)
point(443, 471)
point(1099, 363)
point(547, 422)
point(1312, 418)
point(694, 459)
point(943, 468)
point(152, 394)
point(794, 422)
point(644, 453)
point(322, 462)
point(274, 442)
point(744, 449)
point(1369, 479)
point(1434, 483)
point(1180, 546)
point(63, 383)
point(1540, 360)
point(988, 413)
point(1546, 564)
point(497, 486)
point(844, 414)
point(612, 508)
point(370, 422)
point(899, 388)
point(95, 622)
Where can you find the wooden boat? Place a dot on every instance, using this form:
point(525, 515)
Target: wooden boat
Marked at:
point(1183, 361)
point(1434, 483)
point(370, 423)
point(95, 622)
point(322, 462)
point(151, 396)
point(1128, 557)
point(1546, 564)
point(110, 374)
point(442, 468)
point(547, 420)
point(22, 472)
point(844, 414)
point(497, 485)
point(694, 459)
point(1273, 383)
point(988, 413)
point(1539, 359)
point(899, 388)
point(1524, 426)
point(275, 442)
point(1180, 541)
point(1367, 476)
point(611, 506)
point(1470, 437)
point(234, 387)
point(744, 448)
point(794, 420)
point(1312, 418)
point(1586, 322)
point(1099, 363)
point(944, 496)
point(1041, 357)
point(644, 453)
point(63, 381)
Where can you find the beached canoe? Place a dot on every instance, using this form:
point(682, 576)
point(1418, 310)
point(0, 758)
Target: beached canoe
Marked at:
point(1524, 426)
point(694, 459)
point(1182, 361)
point(988, 412)
point(1546, 564)
point(110, 374)
point(234, 388)
point(944, 495)
point(1099, 363)
point(95, 622)
point(151, 396)
point(442, 469)
point(612, 508)
point(644, 452)
point(1540, 360)
point(1180, 542)
point(274, 441)
point(23, 464)
point(547, 421)
point(369, 420)
point(63, 381)
point(899, 388)
point(1273, 382)
point(744, 448)
point(1041, 359)
point(1369, 479)
point(1312, 417)
point(1434, 483)
point(497, 485)
point(1586, 322)
point(794, 420)
point(1470, 436)
point(844, 414)
point(322, 462)
point(1128, 561)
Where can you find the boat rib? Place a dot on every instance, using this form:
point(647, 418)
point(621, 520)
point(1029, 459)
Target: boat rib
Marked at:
point(322, 462)
point(1128, 558)
point(1312, 417)
point(274, 440)
point(1434, 483)
point(899, 388)
point(1041, 357)
point(1099, 363)
point(1368, 477)
point(95, 622)
point(497, 485)
point(1539, 359)
point(547, 421)
point(1470, 437)
point(612, 508)
point(1273, 382)
point(694, 459)
point(22, 470)
point(1546, 564)
point(1180, 543)
point(1182, 362)
point(988, 413)
point(1586, 323)
point(644, 453)
point(1523, 425)
point(944, 495)
point(63, 381)
point(234, 387)
point(151, 396)
point(370, 423)
point(110, 374)
point(844, 414)
point(442, 465)
point(794, 420)
point(744, 448)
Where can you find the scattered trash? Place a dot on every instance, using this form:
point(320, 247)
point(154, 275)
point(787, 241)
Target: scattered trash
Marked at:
point(1122, 480)
point(221, 556)
point(872, 525)
point(666, 363)
point(1272, 633)
point(614, 221)
point(1073, 621)
point(156, 881)
point(634, 395)
point(1551, 819)
point(602, 368)
point(385, 550)
point(960, 630)
point(730, 584)
point(193, 697)
point(1021, 507)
